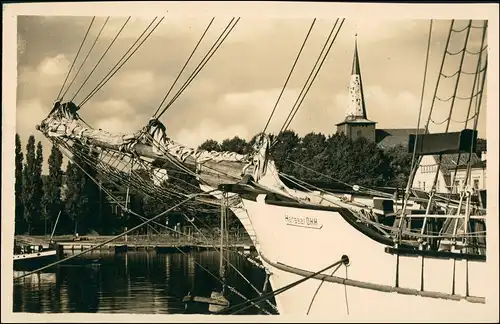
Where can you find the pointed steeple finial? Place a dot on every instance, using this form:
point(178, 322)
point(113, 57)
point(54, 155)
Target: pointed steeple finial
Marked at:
point(355, 62)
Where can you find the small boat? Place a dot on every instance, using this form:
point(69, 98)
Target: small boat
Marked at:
point(31, 257)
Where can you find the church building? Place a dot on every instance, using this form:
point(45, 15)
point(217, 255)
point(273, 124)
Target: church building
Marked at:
point(356, 123)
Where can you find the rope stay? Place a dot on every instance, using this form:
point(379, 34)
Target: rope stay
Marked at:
point(109, 240)
point(120, 64)
point(164, 226)
point(101, 58)
point(377, 225)
point(289, 75)
point(234, 309)
point(475, 94)
point(86, 56)
point(185, 64)
point(416, 160)
point(74, 60)
point(319, 287)
point(307, 85)
point(220, 40)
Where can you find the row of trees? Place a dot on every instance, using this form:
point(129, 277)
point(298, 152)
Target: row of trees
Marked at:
point(357, 161)
point(40, 198)
point(32, 199)
point(85, 208)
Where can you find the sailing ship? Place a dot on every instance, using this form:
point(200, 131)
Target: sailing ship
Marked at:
point(430, 256)
point(430, 252)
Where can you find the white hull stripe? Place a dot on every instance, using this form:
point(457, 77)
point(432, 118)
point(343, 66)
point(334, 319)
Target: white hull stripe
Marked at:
point(34, 255)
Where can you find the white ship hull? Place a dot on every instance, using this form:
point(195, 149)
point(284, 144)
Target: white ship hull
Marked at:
point(294, 242)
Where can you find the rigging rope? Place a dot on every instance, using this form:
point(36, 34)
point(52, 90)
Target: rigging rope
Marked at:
point(257, 300)
point(448, 120)
point(457, 82)
point(426, 130)
point(185, 64)
point(109, 240)
point(74, 60)
point(475, 83)
point(205, 60)
point(162, 225)
point(306, 88)
point(86, 57)
point(102, 57)
point(413, 157)
point(111, 73)
point(438, 80)
point(319, 287)
point(225, 259)
point(381, 193)
point(380, 226)
point(215, 276)
point(289, 75)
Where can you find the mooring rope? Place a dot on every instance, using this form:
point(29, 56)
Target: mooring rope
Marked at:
point(344, 259)
point(319, 287)
point(109, 240)
point(164, 226)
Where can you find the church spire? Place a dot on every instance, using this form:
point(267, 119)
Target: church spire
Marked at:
point(356, 109)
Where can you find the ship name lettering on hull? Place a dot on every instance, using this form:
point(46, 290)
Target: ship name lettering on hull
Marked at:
point(301, 221)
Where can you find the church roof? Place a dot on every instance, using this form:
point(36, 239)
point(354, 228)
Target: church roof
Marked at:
point(388, 138)
point(356, 121)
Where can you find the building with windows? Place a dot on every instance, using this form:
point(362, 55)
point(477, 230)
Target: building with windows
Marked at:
point(452, 173)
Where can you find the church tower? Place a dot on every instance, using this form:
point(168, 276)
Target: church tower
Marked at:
point(356, 123)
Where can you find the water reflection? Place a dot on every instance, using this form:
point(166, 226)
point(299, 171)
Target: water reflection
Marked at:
point(134, 282)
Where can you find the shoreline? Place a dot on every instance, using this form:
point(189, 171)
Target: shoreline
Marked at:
point(156, 242)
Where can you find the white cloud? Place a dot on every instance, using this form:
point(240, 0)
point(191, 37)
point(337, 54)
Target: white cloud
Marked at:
point(54, 66)
point(30, 113)
point(118, 125)
point(137, 79)
point(28, 110)
point(389, 110)
point(255, 107)
point(50, 73)
point(112, 107)
point(222, 101)
point(209, 129)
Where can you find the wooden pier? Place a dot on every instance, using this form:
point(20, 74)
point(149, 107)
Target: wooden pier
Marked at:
point(160, 248)
point(157, 243)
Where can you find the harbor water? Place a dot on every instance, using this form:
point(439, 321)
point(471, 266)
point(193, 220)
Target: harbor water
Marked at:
point(142, 282)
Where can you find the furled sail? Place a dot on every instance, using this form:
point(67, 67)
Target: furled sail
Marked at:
point(152, 142)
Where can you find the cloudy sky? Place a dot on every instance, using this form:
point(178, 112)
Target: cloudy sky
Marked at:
point(236, 91)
